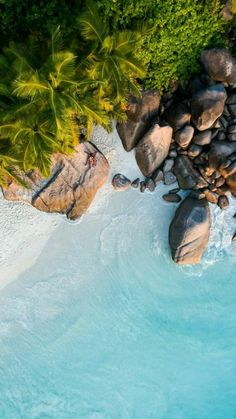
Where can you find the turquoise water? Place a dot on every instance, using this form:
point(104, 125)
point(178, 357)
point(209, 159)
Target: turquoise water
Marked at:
point(105, 326)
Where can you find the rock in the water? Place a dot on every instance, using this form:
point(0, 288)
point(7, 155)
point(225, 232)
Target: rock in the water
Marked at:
point(135, 184)
point(202, 138)
point(152, 150)
point(189, 231)
point(207, 105)
point(184, 136)
point(120, 182)
point(142, 186)
point(157, 176)
point(71, 187)
point(187, 175)
point(169, 178)
point(140, 112)
point(150, 185)
point(177, 115)
point(171, 197)
point(219, 64)
point(234, 237)
point(223, 202)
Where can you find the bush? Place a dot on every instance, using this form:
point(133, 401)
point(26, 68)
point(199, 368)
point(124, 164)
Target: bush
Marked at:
point(20, 18)
point(180, 30)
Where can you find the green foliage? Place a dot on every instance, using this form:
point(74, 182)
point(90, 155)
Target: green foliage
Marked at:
point(20, 18)
point(178, 31)
point(110, 58)
point(48, 95)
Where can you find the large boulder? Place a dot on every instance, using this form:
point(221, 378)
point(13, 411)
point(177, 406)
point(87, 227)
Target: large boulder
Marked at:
point(219, 64)
point(187, 176)
point(71, 187)
point(153, 148)
point(140, 112)
point(189, 231)
point(207, 105)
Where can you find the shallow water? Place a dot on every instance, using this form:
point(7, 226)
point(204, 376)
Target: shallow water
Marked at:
point(105, 326)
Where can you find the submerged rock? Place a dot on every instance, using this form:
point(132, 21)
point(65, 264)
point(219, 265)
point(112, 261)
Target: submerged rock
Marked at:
point(153, 149)
point(207, 105)
point(120, 182)
point(140, 112)
point(189, 231)
point(171, 197)
point(71, 187)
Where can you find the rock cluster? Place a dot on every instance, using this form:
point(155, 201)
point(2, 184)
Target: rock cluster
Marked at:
point(71, 187)
point(191, 138)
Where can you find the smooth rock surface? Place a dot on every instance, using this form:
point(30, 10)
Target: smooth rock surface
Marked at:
point(140, 112)
point(72, 186)
point(184, 136)
point(153, 149)
point(207, 105)
point(189, 231)
point(219, 64)
point(120, 182)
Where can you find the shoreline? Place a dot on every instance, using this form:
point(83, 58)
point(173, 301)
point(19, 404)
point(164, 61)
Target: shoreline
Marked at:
point(27, 231)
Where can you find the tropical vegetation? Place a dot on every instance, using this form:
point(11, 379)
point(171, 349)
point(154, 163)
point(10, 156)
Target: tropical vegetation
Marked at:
point(54, 88)
point(49, 94)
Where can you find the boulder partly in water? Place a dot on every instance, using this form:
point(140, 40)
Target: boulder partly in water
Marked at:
point(189, 231)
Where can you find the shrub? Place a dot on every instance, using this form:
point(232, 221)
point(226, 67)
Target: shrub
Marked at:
point(180, 29)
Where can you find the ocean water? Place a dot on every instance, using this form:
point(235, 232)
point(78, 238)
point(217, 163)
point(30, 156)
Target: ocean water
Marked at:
point(105, 326)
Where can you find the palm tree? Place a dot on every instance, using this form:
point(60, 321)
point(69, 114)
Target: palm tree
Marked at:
point(111, 57)
point(44, 104)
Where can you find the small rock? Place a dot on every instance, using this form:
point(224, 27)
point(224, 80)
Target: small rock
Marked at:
point(173, 154)
point(184, 136)
point(223, 122)
point(150, 185)
point(232, 129)
point(120, 182)
point(231, 99)
point(223, 202)
point(202, 138)
point(171, 197)
point(175, 190)
point(169, 178)
point(221, 136)
point(210, 196)
point(234, 238)
point(220, 181)
point(135, 183)
point(231, 137)
point(168, 165)
point(197, 195)
point(194, 150)
point(227, 12)
point(157, 176)
point(232, 109)
point(142, 186)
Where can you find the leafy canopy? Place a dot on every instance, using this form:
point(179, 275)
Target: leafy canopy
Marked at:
point(179, 31)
